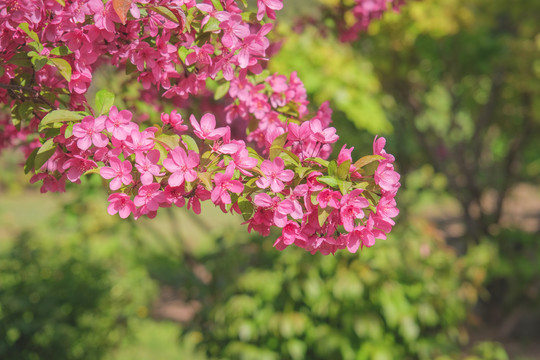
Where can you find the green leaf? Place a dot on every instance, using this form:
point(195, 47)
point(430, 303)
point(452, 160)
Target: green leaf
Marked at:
point(166, 13)
point(363, 161)
point(302, 171)
point(44, 153)
point(163, 153)
point(36, 46)
point(104, 101)
point(222, 90)
point(26, 110)
point(69, 131)
point(319, 161)
point(26, 28)
point(39, 62)
point(92, 171)
point(323, 215)
point(206, 179)
point(280, 140)
point(15, 117)
point(289, 157)
point(29, 165)
point(63, 66)
point(246, 207)
point(60, 51)
point(343, 170)
point(211, 25)
point(59, 116)
point(277, 145)
point(190, 143)
point(274, 152)
point(183, 52)
point(328, 180)
point(332, 168)
point(249, 17)
point(344, 186)
point(370, 168)
point(168, 141)
point(61, 2)
point(20, 59)
point(217, 5)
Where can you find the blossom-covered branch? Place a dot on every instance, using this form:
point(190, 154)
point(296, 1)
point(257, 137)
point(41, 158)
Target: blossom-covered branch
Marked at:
point(274, 171)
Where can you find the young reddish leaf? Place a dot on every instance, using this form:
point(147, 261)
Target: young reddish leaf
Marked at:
point(121, 7)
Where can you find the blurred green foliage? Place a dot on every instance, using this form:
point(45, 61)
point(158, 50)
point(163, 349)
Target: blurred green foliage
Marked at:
point(56, 302)
point(403, 299)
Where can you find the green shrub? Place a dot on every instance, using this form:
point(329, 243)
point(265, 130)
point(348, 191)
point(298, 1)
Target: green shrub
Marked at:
point(402, 299)
point(56, 302)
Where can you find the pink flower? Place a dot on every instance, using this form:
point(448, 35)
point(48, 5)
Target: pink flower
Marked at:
point(274, 175)
point(140, 141)
point(147, 166)
point(119, 123)
point(378, 149)
point(181, 166)
point(386, 208)
point(253, 45)
point(119, 172)
point(351, 208)
point(329, 197)
point(268, 6)
point(325, 136)
point(88, 132)
point(121, 204)
point(281, 208)
point(243, 162)
point(77, 166)
point(175, 121)
point(223, 184)
point(233, 30)
point(175, 195)
point(149, 198)
point(364, 236)
point(195, 198)
point(207, 128)
point(386, 177)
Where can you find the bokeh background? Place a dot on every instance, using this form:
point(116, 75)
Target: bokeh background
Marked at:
point(454, 86)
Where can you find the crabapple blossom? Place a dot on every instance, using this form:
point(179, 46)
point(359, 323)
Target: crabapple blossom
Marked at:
point(245, 155)
point(275, 175)
point(119, 172)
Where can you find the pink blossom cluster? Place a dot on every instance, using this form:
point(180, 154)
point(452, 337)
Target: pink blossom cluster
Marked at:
point(160, 39)
point(364, 12)
point(269, 107)
point(274, 173)
point(164, 166)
